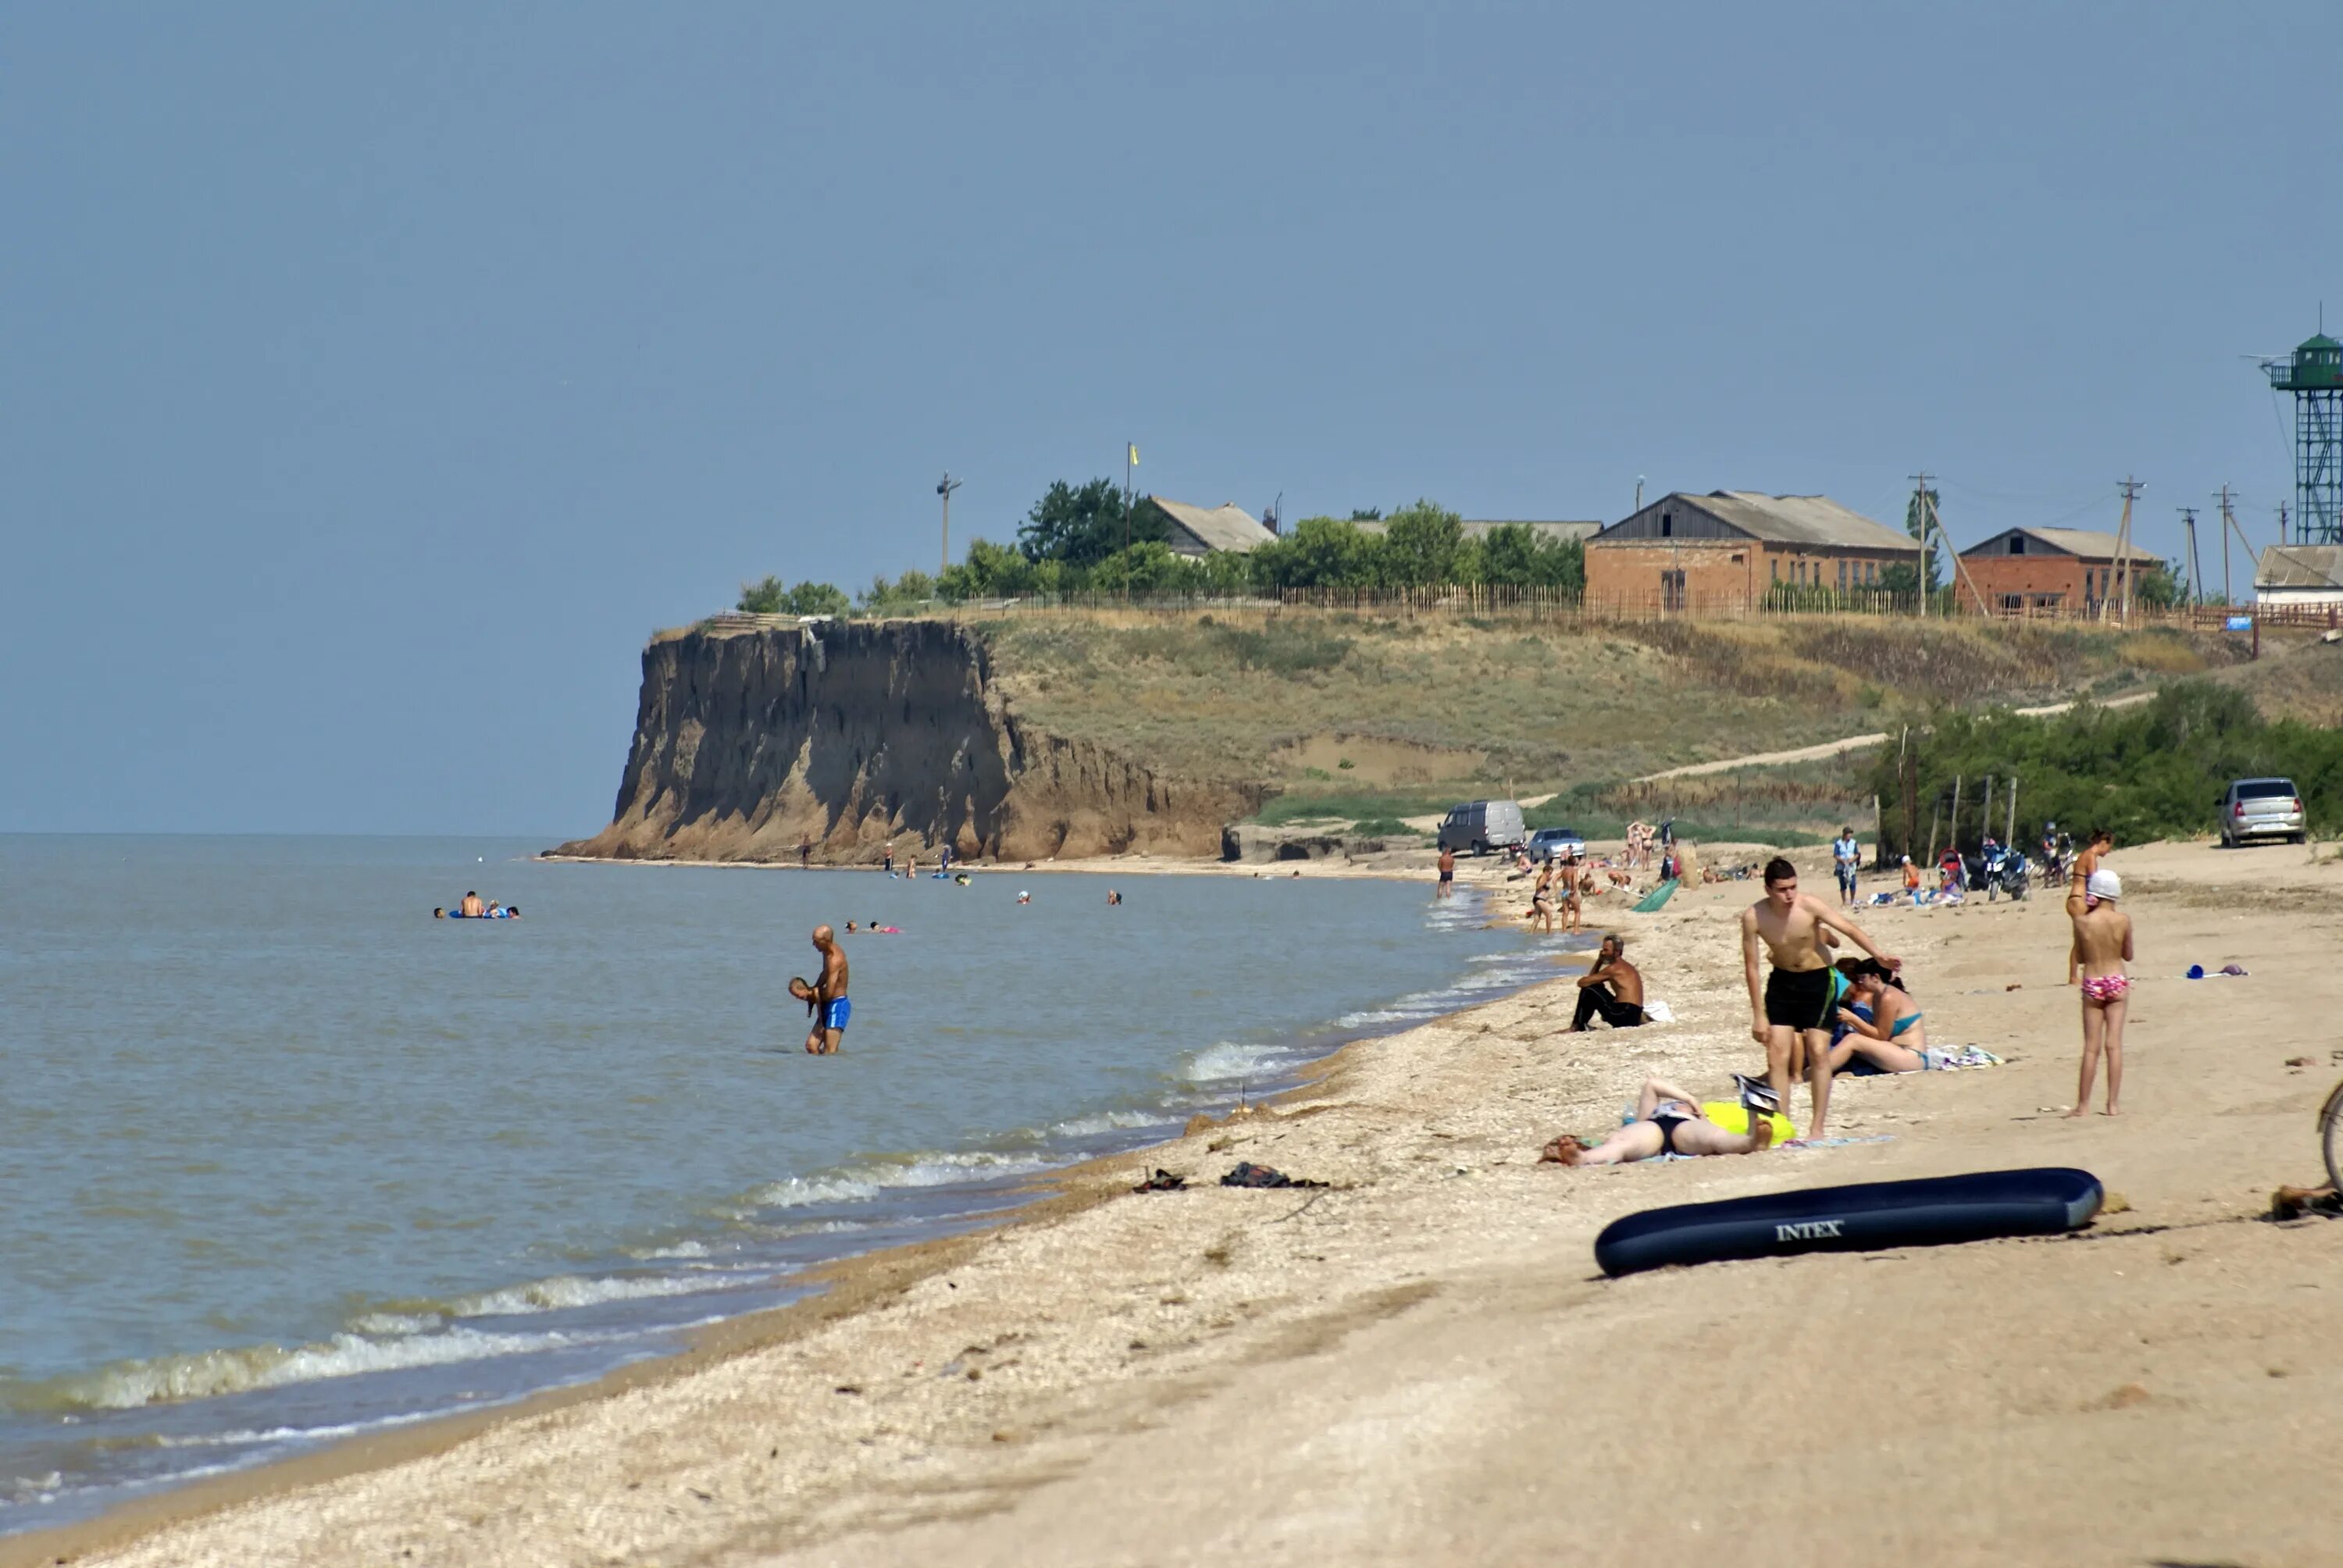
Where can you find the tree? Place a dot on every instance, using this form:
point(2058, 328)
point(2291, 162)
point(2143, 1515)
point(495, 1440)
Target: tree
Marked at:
point(1916, 523)
point(818, 598)
point(767, 597)
point(2157, 587)
point(1515, 555)
point(1900, 576)
point(1085, 525)
point(1366, 514)
point(1421, 545)
point(1320, 552)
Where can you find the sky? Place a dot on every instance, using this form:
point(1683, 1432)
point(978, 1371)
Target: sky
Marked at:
point(375, 379)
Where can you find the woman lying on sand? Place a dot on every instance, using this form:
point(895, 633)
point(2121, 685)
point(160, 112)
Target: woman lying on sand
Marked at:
point(1668, 1121)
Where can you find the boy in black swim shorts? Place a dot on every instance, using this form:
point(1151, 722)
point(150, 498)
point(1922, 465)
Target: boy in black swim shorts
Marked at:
point(1800, 998)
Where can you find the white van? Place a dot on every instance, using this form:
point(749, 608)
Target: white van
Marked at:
point(1480, 826)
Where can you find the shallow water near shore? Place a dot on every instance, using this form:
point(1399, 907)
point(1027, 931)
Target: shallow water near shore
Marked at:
point(288, 1159)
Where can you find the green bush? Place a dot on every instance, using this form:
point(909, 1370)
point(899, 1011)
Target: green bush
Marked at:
point(1383, 827)
point(2150, 771)
point(769, 598)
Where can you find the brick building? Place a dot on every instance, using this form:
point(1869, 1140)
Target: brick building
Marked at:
point(1721, 553)
point(2022, 570)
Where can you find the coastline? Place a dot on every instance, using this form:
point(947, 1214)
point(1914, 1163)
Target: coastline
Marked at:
point(1209, 1369)
point(820, 1291)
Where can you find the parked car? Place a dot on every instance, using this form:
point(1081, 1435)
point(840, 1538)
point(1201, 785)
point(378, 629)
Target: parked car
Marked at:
point(1547, 842)
point(1480, 826)
point(2262, 808)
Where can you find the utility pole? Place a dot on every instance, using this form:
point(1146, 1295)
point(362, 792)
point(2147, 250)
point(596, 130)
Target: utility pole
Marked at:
point(2195, 572)
point(1929, 519)
point(2229, 527)
point(1920, 499)
point(1639, 494)
point(944, 488)
point(2188, 523)
point(2281, 522)
point(2131, 489)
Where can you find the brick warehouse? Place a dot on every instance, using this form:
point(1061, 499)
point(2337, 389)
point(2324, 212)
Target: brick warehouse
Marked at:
point(2021, 569)
point(1722, 552)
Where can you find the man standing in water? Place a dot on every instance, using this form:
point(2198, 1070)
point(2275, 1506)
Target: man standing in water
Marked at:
point(1801, 997)
point(2102, 946)
point(1447, 873)
point(831, 1009)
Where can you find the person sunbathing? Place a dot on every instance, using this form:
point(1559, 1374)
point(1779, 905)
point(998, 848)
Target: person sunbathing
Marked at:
point(1883, 1026)
point(1668, 1121)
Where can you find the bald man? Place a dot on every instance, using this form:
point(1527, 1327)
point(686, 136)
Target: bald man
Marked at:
point(831, 1009)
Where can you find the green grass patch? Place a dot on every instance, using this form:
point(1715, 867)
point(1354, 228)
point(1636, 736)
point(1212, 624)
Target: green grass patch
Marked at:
point(1383, 827)
point(1306, 805)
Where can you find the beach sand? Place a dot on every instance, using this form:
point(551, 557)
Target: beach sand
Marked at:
point(1421, 1364)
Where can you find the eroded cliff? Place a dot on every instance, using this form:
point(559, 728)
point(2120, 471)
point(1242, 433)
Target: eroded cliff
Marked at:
point(749, 742)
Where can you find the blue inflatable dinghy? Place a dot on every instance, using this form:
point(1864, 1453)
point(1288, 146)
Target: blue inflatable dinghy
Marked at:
point(2042, 1201)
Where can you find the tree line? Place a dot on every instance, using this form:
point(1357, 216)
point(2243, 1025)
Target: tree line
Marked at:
point(2157, 770)
point(1083, 538)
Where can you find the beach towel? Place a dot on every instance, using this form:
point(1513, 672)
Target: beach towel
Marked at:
point(1658, 896)
point(1956, 1058)
point(1659, 1012)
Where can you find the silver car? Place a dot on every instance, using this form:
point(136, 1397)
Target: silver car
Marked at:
point(2262, 808)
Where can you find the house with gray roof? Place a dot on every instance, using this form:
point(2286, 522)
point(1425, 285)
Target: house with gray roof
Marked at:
point(1202, 531)
point(1726, 550)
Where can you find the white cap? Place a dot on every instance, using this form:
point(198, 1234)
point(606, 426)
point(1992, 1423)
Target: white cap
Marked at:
point(2104, 885)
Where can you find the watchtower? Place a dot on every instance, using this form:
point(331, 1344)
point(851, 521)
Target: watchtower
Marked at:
point(2314, 374)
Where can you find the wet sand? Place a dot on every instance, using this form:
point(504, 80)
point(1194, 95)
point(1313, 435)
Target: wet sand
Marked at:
point(1421, 1364)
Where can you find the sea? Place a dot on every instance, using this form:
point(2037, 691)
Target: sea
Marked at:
point(286, 1160)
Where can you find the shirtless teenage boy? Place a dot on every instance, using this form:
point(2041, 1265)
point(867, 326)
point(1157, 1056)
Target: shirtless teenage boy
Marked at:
point(2103, 945)
point(1799, 1002)
point(832, 1009)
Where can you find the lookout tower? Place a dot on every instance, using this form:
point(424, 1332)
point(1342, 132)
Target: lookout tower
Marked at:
point(2314, 374)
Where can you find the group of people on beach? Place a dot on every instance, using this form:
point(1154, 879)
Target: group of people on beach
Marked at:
point(1817, 1014)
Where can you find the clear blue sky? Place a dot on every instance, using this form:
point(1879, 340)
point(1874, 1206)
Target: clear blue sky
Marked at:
point(374, 379)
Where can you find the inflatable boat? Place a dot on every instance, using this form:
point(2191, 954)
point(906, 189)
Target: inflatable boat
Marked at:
point(2042, 1201)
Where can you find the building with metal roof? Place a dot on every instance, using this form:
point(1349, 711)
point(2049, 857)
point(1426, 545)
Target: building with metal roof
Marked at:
point(1726, 550)
point(1477, 528)
point(2024, 569)
point(1201, 530)
point(2303, 575)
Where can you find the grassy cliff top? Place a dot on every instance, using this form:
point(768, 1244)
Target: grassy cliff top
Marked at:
point(1365, 708)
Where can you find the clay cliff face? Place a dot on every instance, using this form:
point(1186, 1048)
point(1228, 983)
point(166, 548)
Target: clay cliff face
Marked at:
point(852, 734)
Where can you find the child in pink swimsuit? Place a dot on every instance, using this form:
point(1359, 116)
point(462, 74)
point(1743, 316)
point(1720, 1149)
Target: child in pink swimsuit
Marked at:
point(2103, 945)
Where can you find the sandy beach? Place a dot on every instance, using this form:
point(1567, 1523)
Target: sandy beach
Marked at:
point(1421, 1364)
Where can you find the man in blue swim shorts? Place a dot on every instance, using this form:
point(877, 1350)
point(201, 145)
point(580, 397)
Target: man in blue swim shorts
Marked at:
point(831, 1009)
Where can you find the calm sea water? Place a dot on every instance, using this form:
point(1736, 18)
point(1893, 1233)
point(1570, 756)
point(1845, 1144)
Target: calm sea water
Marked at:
point(286, 1159)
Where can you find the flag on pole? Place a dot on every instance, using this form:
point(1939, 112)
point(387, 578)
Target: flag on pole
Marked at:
point(1134, 455)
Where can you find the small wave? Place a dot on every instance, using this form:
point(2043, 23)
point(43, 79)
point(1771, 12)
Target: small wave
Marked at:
point(866, 1182)
point(1228, 1061)
point(1109, 1121)
point(165, 1379)
point(676, 1250)
point(565, 1291)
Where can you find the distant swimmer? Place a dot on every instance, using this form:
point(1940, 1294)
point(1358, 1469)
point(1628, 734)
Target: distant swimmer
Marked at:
point(849, 928)
point(438, 914)
point(472, 907)
point(1113, 897)
point(1024, 898)
point(833, 1011)
point(961, 879)
point(887, 864)
point(1800, 999)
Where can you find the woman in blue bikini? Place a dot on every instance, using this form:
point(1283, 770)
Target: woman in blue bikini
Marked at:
point(1883, 1026)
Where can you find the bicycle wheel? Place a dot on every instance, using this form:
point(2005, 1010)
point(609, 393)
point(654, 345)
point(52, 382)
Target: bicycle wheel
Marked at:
point(2331, 1135)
